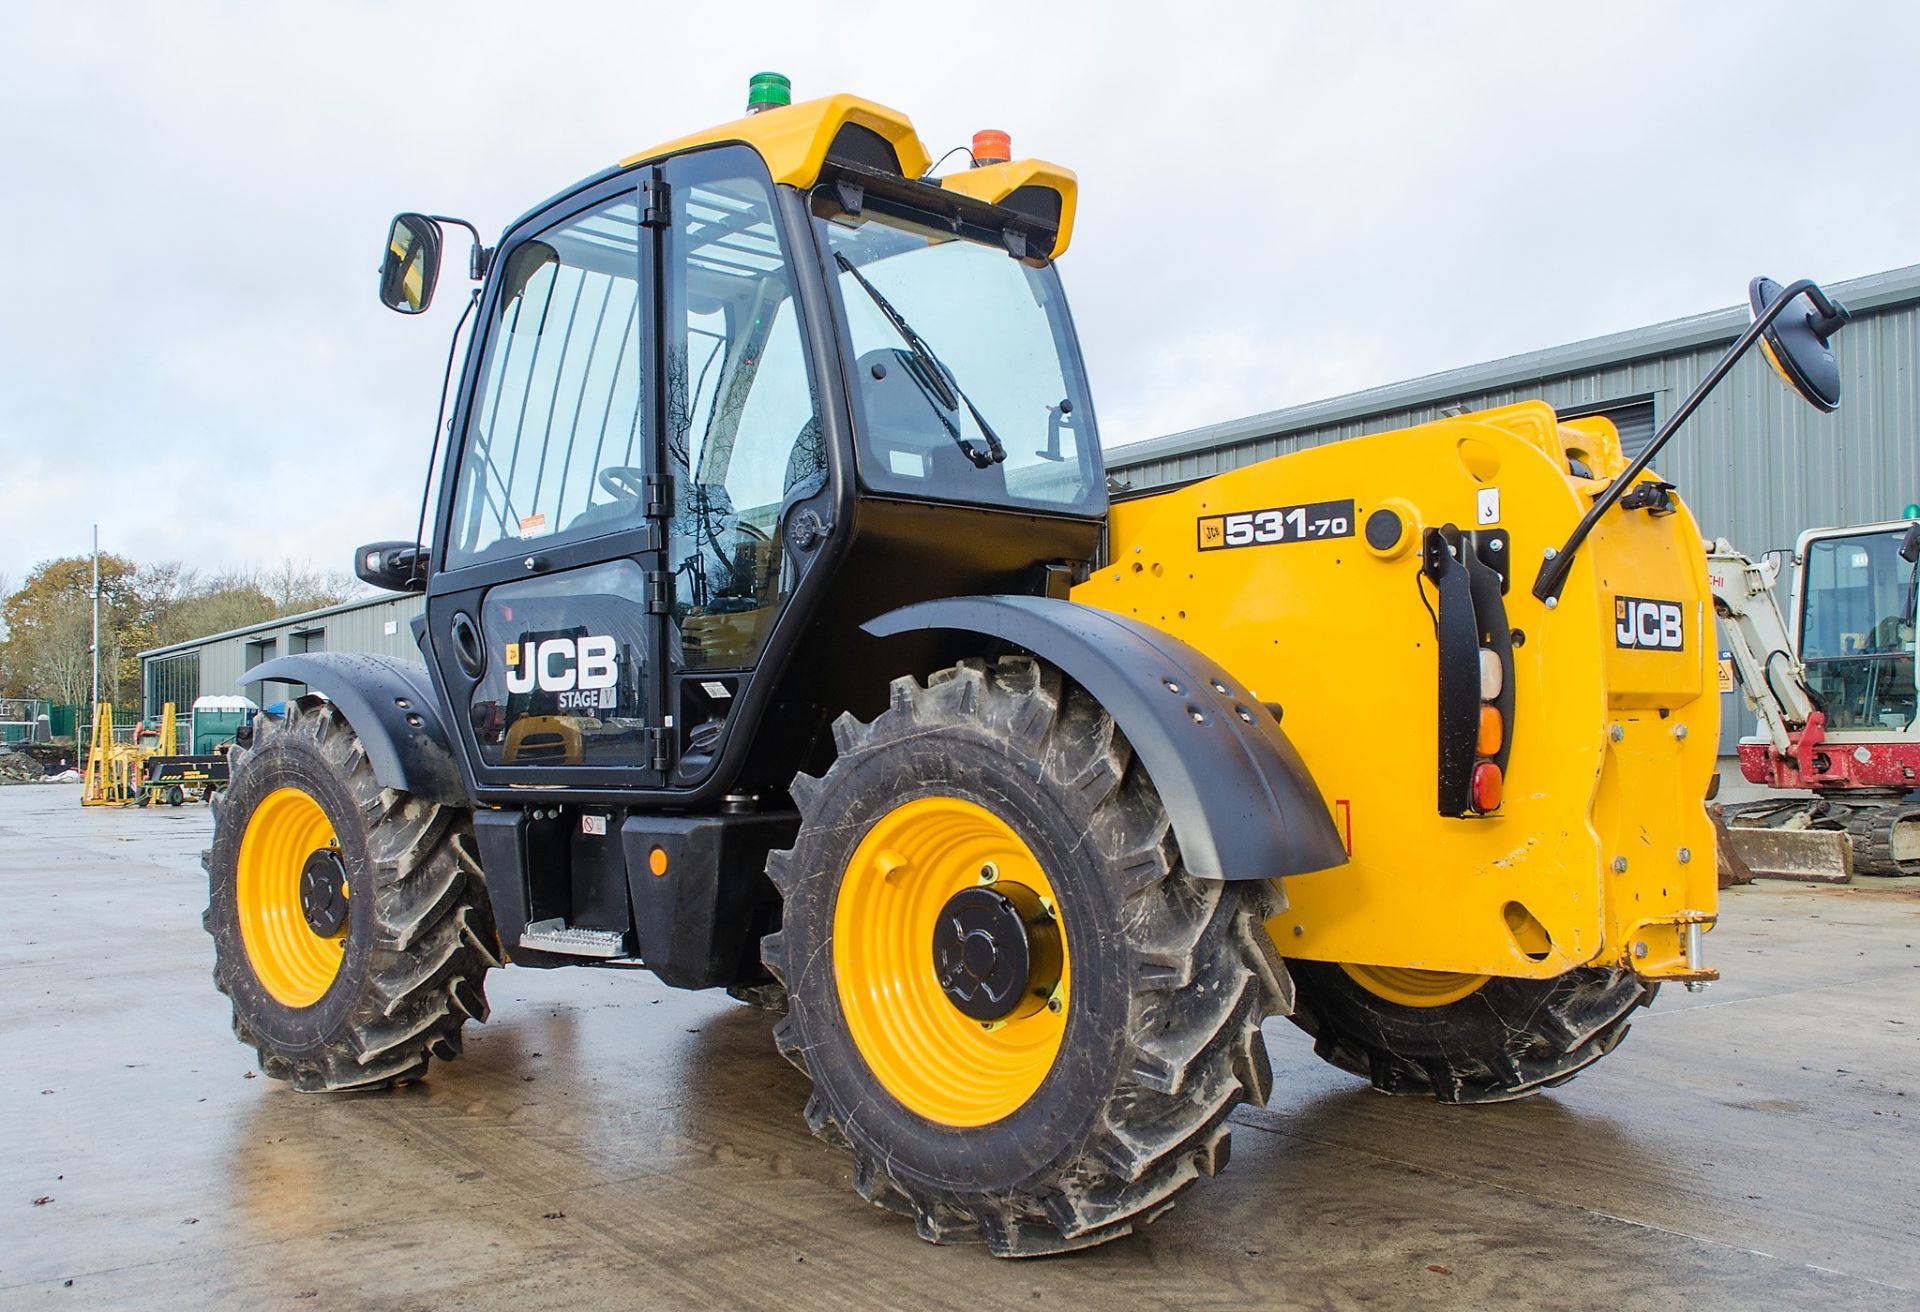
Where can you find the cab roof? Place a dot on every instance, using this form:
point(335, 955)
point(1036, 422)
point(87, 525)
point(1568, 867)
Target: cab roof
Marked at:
point(795, 141)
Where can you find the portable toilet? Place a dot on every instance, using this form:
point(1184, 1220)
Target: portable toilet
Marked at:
point(214, 721)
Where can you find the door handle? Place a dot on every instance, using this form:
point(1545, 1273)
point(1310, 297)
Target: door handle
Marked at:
point(466, 645)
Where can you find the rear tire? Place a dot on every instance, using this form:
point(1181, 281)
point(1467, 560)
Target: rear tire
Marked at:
point(1504, 1040)
point(417, 937)
point(1158, 1036)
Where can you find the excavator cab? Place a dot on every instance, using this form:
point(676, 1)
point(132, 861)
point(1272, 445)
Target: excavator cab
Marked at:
point(1855, 612)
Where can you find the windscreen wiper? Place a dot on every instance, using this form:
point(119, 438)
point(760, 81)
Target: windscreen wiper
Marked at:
point(933, 375)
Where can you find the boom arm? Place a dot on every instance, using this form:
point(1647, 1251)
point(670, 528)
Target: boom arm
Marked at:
point(1770, 671)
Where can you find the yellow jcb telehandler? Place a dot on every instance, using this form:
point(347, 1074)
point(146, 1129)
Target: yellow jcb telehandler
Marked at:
point(779, 637)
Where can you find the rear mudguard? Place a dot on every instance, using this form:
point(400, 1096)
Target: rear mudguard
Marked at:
point(392, 707)
point(1242, 804)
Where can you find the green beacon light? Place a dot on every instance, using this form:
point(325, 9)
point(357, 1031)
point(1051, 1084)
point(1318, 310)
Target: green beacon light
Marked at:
point(768, 91)
point(1912, 511)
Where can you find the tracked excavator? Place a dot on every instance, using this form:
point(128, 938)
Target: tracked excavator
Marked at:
point(1836, 699)
point(780, 637)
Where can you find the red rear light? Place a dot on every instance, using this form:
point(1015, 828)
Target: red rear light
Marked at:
point(1487, 784)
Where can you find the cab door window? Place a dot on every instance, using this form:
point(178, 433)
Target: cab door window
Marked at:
point(743, 435)
point(554, 434)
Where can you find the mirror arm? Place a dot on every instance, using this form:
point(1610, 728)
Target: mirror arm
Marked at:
point(481, 257)
point(440, 423)
point(1559, 563)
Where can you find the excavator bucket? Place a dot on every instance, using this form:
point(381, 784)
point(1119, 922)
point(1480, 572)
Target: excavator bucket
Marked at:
point(1822, 855)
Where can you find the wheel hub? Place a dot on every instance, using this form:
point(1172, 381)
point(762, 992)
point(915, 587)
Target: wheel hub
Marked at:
point(996, 952)
point(323, 892)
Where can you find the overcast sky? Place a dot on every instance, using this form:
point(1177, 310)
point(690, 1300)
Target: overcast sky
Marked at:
point(1278, 202)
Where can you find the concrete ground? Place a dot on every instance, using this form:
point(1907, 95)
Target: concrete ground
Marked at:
point(607, 1141)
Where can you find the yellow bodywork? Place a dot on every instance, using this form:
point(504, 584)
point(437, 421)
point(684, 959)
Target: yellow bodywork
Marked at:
point(995, 182)
point(793, 141)
point(1602, 853)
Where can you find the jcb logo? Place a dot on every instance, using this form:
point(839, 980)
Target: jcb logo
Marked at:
point(1648, 625)
point(562, 665)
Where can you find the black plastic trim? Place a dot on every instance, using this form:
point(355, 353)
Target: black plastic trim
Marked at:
point(392, 705)
point(1241, 801)
point(1469, 574)
point(1457, 643)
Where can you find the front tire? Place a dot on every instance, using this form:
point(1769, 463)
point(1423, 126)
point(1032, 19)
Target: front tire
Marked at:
point(350, 923)
point(1047, 1127)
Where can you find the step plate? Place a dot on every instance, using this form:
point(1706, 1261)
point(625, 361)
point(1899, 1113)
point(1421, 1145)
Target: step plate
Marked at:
point(557, 936)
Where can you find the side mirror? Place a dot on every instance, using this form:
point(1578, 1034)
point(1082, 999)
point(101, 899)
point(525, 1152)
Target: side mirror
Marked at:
point(392, 566)
point(1910, 544)
point(1798, 342)
point(1794, 325)
point(411, 267)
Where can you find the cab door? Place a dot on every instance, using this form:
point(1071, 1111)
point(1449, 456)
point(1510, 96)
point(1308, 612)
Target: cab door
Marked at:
point(743, 444)
point(546, 608)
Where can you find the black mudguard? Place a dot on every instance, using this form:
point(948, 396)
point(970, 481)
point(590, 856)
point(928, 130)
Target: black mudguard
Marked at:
point(391, 704)
point(1241, 801)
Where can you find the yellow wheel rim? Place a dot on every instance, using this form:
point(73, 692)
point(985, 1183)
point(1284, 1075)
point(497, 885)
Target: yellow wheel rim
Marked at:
point(1414, 988)
point(294, 964)
point(937, 1061)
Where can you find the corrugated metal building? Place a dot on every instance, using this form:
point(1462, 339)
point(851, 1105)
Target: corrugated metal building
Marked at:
point(1756, 464)
point(218, 664)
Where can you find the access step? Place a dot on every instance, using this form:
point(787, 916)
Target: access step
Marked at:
point(557, 936)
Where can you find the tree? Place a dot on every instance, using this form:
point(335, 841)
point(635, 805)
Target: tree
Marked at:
point(221, 604)
point(48, 649)
point(48, 621)
point(297, 586)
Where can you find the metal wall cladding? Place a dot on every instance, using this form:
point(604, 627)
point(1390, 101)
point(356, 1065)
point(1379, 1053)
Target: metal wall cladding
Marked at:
point(357, 626)
point(1756, 464)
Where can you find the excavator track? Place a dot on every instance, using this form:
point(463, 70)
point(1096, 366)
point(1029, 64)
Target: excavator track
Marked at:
point(1886, 838)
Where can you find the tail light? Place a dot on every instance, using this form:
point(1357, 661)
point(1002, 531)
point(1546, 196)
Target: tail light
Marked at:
point(1469, 572)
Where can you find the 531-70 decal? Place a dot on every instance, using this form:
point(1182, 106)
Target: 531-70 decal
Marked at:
point(1260, 528)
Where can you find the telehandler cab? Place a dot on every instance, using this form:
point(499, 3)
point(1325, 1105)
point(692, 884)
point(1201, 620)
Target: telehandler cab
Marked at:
point(779, 637)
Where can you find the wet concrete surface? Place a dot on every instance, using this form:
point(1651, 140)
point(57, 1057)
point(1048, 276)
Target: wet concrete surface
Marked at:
point(607, 1141)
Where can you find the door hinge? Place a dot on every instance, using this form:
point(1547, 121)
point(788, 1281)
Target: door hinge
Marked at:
point(656, 204)
point(660, 747)
point(659, 592)
point(659, 489)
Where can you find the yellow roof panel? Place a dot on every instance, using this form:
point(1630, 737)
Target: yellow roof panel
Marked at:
point(793, 139)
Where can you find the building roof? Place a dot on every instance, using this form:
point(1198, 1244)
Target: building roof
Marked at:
point(285, 621)
point(1894, 287)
